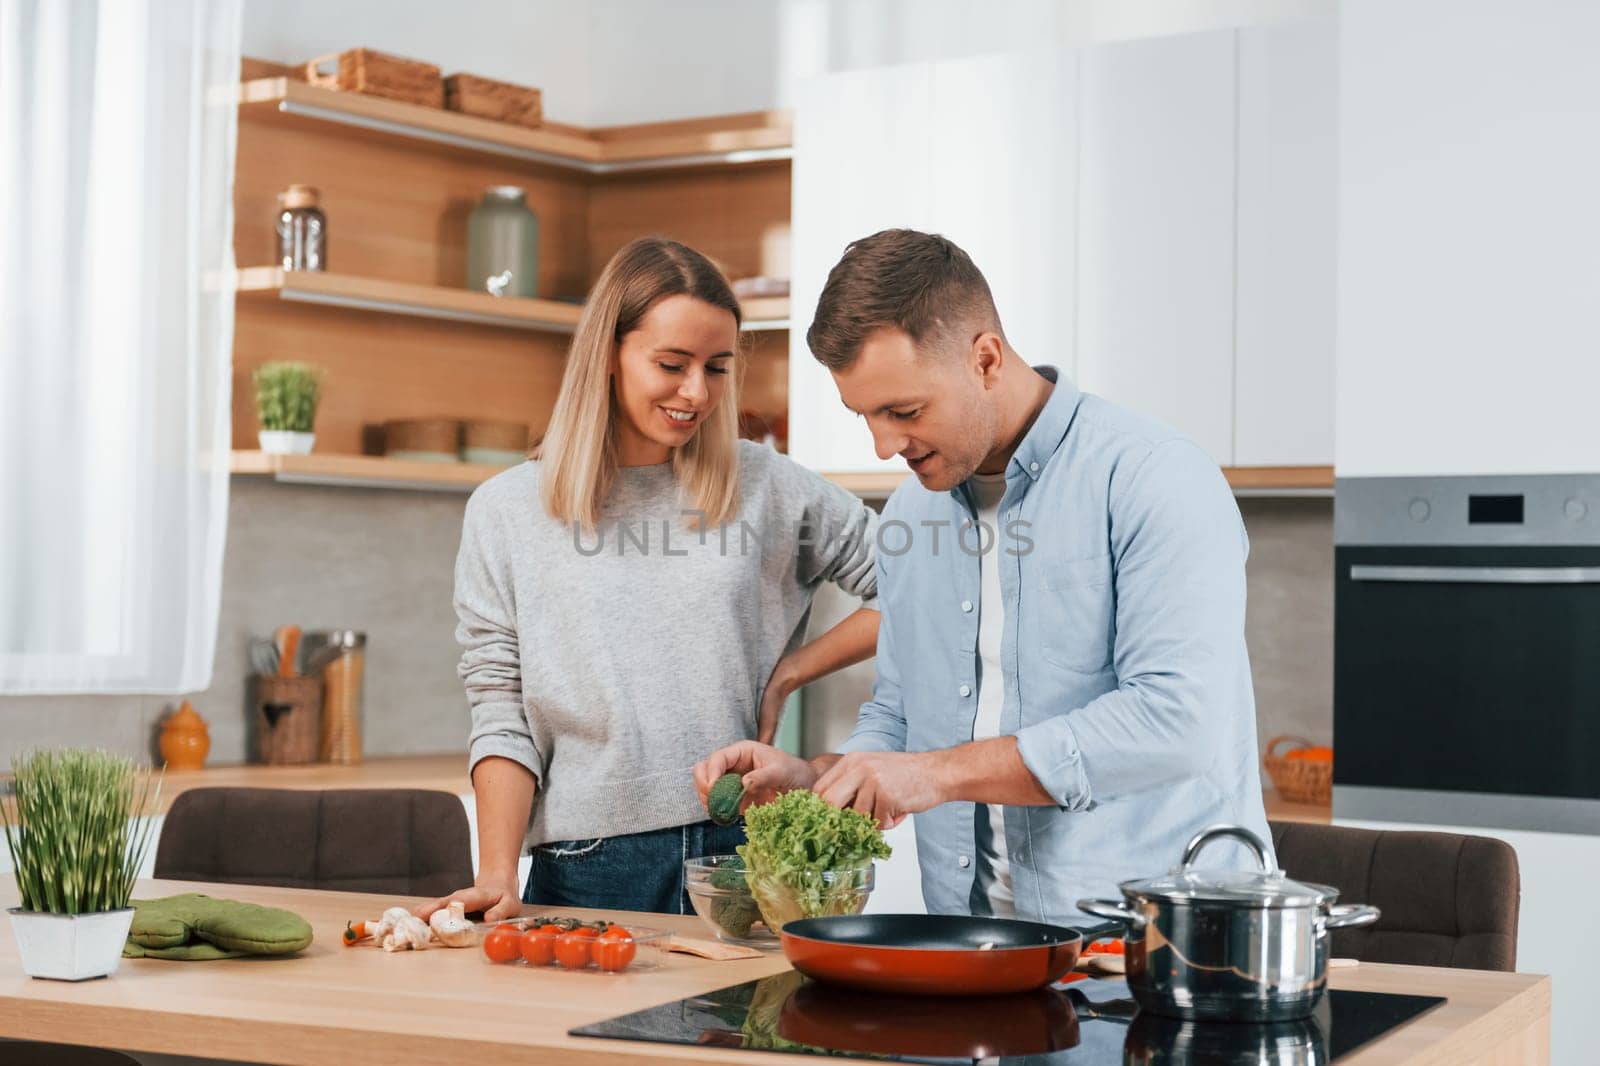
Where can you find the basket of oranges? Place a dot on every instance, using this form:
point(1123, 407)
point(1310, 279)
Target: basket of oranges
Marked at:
point(1303, 774)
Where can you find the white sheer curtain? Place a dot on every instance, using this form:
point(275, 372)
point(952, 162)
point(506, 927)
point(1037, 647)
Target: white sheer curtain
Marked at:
point(117, 130)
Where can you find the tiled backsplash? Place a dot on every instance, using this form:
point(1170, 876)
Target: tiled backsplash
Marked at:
point(382, 562)
point(378, 561)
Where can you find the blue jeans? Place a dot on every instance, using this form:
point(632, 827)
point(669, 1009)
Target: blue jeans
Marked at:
point(637, 872)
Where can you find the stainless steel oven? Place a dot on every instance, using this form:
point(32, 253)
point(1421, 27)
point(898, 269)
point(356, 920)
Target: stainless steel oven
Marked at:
point(1466, 682)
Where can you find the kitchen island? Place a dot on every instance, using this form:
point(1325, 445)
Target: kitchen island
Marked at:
point(362, 1007)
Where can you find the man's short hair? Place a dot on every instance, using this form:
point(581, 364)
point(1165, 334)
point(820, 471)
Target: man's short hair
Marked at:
point(921, 283)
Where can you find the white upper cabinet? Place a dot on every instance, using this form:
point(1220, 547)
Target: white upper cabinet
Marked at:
point(1469, 229)
point(1155, 217)
point(862, 163)
point(1287, 254)
point(1156, 231)
point(1005, 161)
point(981, 150)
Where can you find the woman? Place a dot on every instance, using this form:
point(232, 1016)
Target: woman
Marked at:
point(636, 597)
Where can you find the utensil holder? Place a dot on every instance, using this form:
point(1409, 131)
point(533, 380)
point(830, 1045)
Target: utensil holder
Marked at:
point(288, 719)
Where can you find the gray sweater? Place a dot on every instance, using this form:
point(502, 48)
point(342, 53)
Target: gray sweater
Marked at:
point(609, 663)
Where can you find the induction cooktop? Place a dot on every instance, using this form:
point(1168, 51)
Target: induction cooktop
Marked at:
point(1084, 1024)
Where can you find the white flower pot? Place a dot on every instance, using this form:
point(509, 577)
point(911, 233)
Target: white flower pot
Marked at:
point(70, 947)
point(286, 442)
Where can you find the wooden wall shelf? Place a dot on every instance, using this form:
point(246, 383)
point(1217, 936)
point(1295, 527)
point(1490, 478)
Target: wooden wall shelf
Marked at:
point(364, 471)
point(766, 313)
point(456, 305)
point(659, 146)
point(357, 471)
point(403, 298)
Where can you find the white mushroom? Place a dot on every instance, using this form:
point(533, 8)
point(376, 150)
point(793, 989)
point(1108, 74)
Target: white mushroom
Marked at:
point(450, 925)
point(400, 930)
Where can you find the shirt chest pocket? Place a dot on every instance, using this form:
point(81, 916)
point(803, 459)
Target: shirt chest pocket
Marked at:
point(1071, 606)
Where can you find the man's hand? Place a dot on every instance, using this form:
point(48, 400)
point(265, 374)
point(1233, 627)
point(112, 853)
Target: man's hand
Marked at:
point(884, 785)
point(498, 898)
point(766, 771)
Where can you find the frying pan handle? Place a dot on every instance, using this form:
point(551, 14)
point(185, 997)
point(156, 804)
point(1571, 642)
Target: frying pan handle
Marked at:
point(1114, 910)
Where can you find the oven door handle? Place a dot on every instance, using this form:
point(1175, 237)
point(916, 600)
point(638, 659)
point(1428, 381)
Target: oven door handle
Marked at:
point(1480, 575)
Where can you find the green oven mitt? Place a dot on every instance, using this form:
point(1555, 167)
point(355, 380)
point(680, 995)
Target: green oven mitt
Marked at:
point(193, 927)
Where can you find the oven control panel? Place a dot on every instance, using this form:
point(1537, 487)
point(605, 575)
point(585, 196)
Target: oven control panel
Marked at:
point(1552, 509)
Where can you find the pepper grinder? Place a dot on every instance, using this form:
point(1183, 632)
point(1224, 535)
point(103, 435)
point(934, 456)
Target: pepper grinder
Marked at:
point(302, 230)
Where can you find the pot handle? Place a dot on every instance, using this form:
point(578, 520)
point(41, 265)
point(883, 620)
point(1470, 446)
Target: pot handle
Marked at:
point(1350, 915)
point(1218, 832)
point(1114, 910)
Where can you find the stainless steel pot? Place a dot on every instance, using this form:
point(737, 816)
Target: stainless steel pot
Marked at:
point(1227, 945)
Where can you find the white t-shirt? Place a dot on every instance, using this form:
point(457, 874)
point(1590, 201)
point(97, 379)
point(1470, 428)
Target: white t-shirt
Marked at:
point(994, 867)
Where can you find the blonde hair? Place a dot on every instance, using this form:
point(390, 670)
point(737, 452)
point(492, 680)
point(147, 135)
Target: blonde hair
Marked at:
point(579, 451)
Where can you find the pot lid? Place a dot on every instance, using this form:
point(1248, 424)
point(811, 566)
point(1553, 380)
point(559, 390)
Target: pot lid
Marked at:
point(1264, 887)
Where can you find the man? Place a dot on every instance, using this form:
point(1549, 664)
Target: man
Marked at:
point(1065, 703)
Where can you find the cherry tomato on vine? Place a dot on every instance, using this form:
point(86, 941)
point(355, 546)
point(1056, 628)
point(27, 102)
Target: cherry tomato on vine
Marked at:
point(614, 949)
point(574, 949)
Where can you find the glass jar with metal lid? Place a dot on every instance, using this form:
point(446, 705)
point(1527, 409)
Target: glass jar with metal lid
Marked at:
point(1228, 945)
point(340, 656)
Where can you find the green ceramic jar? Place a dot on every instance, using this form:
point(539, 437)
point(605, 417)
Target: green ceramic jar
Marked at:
point(503, 244)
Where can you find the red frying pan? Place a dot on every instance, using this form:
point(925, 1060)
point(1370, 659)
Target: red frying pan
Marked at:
point(934, 954)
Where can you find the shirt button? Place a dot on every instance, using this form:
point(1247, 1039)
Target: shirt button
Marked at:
point(966, 605)
point(1034, 467)
point(964, 862)
point(966, 690)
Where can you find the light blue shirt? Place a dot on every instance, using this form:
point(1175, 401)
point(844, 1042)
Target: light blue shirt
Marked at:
point(1127, 683)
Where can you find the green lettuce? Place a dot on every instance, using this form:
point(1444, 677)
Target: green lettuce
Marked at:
point(806, 858)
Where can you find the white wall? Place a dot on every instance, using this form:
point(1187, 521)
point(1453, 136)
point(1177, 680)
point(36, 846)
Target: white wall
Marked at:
point(693, 57)
point(1469, 257)
point(610, 62)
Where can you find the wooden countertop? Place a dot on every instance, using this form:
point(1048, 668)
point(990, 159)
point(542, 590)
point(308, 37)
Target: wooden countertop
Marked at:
point(1282, 810)
point(361, 1007)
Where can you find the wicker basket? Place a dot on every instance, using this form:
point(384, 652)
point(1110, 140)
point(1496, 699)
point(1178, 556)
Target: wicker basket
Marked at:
point(500, 436)
point(497, 100)
point(437, 439)
point(363, 70)
point(1299, 780)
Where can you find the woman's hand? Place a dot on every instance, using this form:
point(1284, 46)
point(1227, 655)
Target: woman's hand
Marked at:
point(783, 683)
point(498, 897)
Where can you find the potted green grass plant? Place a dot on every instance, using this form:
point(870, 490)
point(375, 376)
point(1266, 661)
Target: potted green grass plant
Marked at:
point(286, 403)
point(76, 850)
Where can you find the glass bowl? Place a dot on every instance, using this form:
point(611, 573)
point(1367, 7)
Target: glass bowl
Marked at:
point(721, 897)
point(810, 895)
point(742, 906)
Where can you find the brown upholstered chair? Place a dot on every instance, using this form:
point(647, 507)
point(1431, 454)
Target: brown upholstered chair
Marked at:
point(402, 842)
point(35, 1053)
point(1447, 899)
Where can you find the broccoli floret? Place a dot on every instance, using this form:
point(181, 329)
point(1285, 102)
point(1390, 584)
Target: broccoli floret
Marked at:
point(735, 915)
point(723, 800)
point(729, 874)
